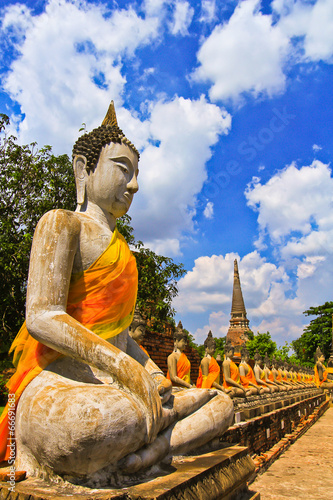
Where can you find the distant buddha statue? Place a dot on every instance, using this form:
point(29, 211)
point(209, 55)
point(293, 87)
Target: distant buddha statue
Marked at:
point(320, 371)
point(268, 376)
point(247, 377)
point(260, 374)
point(137, 329)
point(232, 381)
point(92, 404)
point(209, 370)
point(277, 375)
point(179, 366)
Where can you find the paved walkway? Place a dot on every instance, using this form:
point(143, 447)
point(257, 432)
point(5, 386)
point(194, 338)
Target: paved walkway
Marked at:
point(305, 470)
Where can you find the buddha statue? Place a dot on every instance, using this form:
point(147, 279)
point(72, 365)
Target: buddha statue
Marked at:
point(268, 376)
point(320, 371)
point(137, 329)
point(231, 376)
point(209, 370)
point(179, 366)
point(92, 406)
point(247, 377)
point(277, 375)
point(289, 376)
point(260, 374)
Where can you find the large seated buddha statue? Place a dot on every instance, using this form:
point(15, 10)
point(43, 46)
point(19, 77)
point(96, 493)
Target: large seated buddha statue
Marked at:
point(90, 403)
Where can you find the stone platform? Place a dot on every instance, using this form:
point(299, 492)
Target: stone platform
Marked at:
point(222, 474)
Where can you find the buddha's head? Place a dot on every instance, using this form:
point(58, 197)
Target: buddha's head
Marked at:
point(180, 338)
point(137, 328)
point(245, 355)
point(257, 357)
point(210, 344)
point(267, 361)
point(106, 167)
point(229, 350)
point(319, 356)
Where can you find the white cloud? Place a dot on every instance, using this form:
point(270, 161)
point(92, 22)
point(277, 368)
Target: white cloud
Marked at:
point(218, 323)
point(312, 22)
point(295, 201)
point(315, 147)
point(172, 166)
point(245, 54)
point(208, 11)
point(70, 63)
point(182, 18)
point(209, 210)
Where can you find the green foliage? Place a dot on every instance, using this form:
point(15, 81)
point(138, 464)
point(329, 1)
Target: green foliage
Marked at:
point(3, 390)
point(158, 277)
point(263, 342)
point(32, 181)
point(317, 333)
point(283, 352)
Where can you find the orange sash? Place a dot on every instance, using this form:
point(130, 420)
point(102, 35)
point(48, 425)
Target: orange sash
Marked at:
point(271, 376)
point(279, 376)
point(246, 379)
point(144, 350)
point(206, 382)
point(183, 368)
point(317, 379)
point(234, 374)
point(102, 298)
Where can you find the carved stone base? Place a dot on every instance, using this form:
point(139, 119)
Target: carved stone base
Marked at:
point(222, 474)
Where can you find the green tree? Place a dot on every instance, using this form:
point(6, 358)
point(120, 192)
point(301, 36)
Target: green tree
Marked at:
point(263, 342)
point(32, 181)
point(317, 333)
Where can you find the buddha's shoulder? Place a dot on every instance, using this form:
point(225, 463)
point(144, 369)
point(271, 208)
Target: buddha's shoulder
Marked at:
point(58, 220)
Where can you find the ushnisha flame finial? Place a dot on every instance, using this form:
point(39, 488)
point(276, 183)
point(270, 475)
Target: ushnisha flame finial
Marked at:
point(110, 119)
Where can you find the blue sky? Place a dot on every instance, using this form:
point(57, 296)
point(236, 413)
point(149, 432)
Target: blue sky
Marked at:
point(230, 104)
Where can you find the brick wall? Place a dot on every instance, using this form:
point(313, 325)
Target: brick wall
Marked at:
point(160, 345)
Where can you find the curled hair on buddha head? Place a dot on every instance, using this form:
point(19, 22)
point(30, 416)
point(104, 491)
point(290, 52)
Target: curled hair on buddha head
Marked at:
point(89, 145)
point(210, 342)
point(179, 333)
point(318, 354)
point(257, 357)
point(138, 320)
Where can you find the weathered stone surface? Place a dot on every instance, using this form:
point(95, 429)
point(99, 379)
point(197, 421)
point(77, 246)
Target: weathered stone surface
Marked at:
point(220, 474)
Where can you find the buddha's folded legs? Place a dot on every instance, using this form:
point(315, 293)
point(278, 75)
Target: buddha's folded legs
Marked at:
point(76, 428)
point(201, 426)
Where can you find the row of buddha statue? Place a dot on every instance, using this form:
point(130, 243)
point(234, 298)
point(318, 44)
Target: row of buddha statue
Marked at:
point(266, 377)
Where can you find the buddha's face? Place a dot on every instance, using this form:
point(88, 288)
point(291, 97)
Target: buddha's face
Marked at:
point(138, 334)
point(230, 353)
point(113, 183)
point(322, 358)
point(210, 350)
point(181, 344)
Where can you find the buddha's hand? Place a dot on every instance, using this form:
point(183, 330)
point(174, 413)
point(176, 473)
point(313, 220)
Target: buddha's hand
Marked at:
point(164, 386)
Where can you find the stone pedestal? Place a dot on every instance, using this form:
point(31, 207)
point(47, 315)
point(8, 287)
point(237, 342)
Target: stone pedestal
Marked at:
point(222, 474)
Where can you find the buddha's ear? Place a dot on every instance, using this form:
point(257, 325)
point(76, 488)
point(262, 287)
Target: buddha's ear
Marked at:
point(81, 175)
